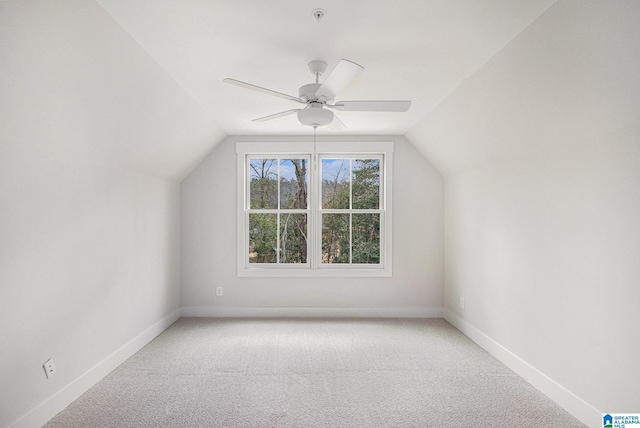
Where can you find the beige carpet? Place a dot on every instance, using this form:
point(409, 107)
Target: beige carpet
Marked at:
point(204, 372)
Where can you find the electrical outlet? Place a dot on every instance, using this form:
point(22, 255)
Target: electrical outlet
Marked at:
point(49, 368)
point(462, 303)
point(219, 291)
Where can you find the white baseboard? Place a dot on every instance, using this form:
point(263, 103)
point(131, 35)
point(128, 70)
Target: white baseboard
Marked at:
point(573, 404)
point(297, 312)
point(56, 403)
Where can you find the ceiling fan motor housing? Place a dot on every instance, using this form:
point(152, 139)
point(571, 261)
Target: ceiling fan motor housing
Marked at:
point(308, 92)
point(315, 115)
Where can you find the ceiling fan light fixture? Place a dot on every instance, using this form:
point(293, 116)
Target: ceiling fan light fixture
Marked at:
point(315, 116)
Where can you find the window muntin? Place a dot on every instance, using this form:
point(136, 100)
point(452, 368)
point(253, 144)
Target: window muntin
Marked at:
point(360, 220)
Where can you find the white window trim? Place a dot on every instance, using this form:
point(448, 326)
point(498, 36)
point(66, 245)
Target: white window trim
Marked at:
point(312, 269)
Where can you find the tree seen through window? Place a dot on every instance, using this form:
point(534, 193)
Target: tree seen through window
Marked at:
point(278, 199)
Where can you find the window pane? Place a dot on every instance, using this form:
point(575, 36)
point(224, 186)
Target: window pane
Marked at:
point(263, 238)
point(366, 238)
point(335, 183)
point(263, 187)
point(335, 238)
point(293, 238)
point(366, 184)
point(293, 183)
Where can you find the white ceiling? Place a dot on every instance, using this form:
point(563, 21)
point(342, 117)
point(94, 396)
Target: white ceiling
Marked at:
point(420, 50)
point(567, 83)
point(138, 84)
point(75, 86)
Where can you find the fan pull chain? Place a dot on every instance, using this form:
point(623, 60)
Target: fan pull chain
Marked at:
point(315, 130)
point(315, 152)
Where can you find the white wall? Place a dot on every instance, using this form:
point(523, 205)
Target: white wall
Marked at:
point(541, 155)
point(208, 222)
point(546, 253)
point(92, 132)
point(89, 260)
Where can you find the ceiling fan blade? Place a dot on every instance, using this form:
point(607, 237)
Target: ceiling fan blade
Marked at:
point(277, 115)
point(399, 106)
point(339, 78)
point(263, 90)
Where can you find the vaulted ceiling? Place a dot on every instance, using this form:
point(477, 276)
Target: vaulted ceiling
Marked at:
point(140, 82)
point(417, 50)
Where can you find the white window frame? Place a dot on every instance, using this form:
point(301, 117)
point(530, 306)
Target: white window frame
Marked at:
point(313, 267)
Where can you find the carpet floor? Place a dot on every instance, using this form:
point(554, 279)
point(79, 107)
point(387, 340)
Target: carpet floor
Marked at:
point(207, 372)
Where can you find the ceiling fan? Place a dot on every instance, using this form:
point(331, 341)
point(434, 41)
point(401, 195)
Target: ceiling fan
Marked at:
point(318, 97)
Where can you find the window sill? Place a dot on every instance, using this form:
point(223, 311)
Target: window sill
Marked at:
point(350, 272)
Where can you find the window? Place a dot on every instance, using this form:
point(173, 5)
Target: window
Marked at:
point(314, 212)
point(278, 210)
point(350, 211)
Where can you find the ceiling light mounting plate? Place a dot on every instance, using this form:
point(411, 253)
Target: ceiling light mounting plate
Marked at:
point(317, 67)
